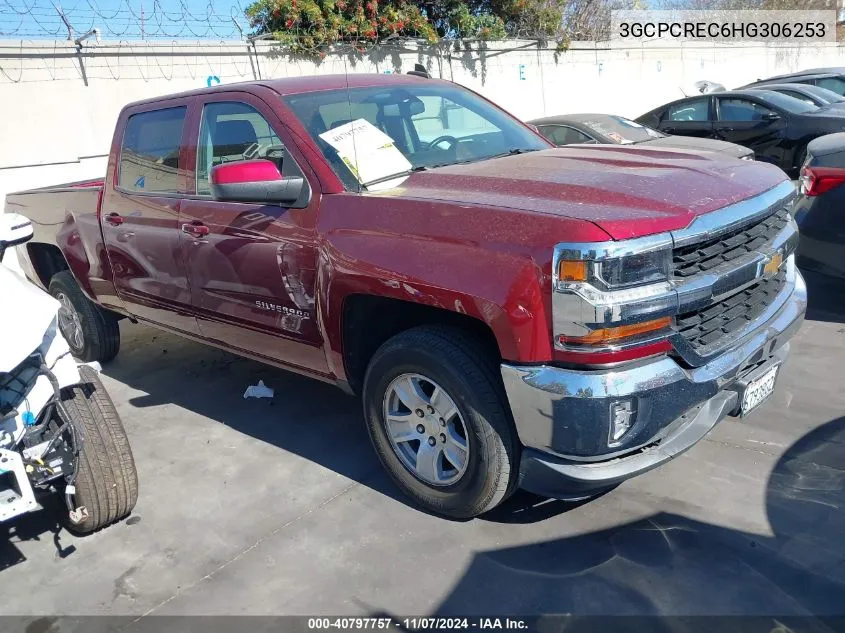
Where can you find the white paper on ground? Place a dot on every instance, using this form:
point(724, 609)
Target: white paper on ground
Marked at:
point(368, 152)
point(258, 391)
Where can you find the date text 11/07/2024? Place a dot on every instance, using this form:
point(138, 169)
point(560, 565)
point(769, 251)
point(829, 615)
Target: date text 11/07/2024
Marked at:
point(416, 624)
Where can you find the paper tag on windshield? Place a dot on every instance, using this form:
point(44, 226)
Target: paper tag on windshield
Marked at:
point(369, 153)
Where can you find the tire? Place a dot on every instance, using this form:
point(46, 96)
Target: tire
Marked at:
point(100, 333)
point(464, 369)
point(106, 482)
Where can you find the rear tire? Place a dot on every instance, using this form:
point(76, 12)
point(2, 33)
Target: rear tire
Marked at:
point(92, 333)
point(106, 482)
point(458, 365)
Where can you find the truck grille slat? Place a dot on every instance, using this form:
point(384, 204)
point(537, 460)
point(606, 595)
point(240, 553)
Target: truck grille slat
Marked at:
point(705, 327)
point(704, 256)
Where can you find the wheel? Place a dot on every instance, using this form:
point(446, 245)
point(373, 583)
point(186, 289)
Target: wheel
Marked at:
point(92, 333)
point(107, 482)
point(437, 416)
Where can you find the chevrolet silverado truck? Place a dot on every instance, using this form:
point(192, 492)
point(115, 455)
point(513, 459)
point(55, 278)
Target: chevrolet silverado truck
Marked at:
point(511, 314)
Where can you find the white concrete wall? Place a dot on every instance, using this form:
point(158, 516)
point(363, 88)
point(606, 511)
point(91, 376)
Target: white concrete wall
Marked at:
point(58, 107)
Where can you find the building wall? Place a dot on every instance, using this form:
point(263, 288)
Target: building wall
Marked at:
point(58, 106)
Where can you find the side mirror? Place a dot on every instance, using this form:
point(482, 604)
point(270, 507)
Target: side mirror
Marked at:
point(771, 116)
point(254, 181)
point(14, 229)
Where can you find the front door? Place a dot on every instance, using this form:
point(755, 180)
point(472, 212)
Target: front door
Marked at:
point(746, 122)
point(252, 266)
point(140, 218)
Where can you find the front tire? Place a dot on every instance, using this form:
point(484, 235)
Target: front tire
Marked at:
point(92, 333)
point(442, 380)
point(107, 481)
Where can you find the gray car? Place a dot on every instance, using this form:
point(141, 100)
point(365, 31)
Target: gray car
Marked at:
point(609, 129)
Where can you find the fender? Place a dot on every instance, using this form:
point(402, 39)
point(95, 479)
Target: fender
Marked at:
point(404, 252)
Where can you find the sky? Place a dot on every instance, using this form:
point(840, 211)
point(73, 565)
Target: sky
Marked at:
point(122, 19)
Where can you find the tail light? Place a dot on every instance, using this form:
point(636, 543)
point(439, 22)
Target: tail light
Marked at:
point(818, 180)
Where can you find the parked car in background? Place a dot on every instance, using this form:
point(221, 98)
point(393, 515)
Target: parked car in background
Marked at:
point(567, 129)
point(510, 313)
point(814, 95)
point(820, 211)
point(776, 127)
point(831, 78)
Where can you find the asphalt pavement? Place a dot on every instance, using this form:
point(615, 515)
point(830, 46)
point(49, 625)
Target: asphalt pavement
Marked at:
point(280, 507)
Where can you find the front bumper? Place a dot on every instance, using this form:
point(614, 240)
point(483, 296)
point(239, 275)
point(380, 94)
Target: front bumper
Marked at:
point(563, 415)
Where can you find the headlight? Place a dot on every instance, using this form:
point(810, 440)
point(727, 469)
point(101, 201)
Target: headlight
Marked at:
point(747, 156)
point(617, 272)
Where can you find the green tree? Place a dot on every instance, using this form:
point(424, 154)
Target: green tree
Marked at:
point(314, 25)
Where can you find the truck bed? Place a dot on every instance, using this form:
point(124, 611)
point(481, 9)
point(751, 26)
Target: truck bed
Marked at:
point(65, 228)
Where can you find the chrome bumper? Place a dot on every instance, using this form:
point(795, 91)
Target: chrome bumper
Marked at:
point(563, 416)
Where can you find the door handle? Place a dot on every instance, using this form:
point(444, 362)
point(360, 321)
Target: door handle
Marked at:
point(195, 229)
point(114, 219)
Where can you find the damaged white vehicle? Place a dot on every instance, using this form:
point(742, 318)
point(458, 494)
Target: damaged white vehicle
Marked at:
point(59, 430)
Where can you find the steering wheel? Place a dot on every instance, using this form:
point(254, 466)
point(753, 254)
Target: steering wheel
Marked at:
point(453, 142)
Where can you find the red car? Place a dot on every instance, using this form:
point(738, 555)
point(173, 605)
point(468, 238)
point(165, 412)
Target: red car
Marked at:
point(512, 314)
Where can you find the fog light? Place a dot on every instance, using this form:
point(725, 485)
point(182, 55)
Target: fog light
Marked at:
point(622, 416)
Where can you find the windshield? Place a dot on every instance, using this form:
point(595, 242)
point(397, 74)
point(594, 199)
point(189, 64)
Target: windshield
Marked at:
point(621, 130)
point(824, 94)
point(430, 125)
point(790, 104)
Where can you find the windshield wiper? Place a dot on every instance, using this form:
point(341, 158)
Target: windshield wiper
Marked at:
point(398, 174)
point(513, 151)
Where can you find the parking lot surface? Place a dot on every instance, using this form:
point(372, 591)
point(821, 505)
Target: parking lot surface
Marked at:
point(280, 507)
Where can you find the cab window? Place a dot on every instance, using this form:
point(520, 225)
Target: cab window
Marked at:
point(693, 110)
point(564, 135)
point(232, 131)
point(742, 110)
point(149, 154)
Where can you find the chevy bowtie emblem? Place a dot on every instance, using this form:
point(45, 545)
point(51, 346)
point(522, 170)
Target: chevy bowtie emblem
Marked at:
point(771, 266)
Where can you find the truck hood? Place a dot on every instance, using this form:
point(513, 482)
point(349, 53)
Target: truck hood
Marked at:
point(25, 317)
point(627, 191)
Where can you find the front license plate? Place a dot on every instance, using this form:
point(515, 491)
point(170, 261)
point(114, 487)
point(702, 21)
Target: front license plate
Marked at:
point(759, 389)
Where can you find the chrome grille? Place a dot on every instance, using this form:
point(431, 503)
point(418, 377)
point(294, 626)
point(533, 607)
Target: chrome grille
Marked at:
point(704, 328)
point(701, 257)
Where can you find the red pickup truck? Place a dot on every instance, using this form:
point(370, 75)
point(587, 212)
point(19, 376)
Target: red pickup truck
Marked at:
point(512, 314)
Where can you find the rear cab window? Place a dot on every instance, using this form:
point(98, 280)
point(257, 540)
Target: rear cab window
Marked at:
point(150, 152)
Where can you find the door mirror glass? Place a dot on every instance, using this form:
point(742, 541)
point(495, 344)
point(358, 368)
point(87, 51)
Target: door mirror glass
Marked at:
point(14, 229)
point(254, 181)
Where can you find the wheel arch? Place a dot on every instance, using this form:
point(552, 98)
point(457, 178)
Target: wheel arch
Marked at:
point(368, 321)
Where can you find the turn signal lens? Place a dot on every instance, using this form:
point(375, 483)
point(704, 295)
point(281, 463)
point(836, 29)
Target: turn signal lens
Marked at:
point(613, 334)
point(570, 270)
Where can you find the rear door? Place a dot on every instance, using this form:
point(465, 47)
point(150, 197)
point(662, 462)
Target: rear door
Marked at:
point(140, 215)
point(252, 266)
point(751, 123)
point(690, 117)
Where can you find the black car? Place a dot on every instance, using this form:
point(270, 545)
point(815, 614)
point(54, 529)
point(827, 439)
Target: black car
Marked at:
point(611, 129)
point(777, 127)
point(814, 95)
point(831, 78)
point(819, 210)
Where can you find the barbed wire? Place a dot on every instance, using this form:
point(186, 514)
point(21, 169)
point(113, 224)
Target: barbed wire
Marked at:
point(222, 20)
point(123, 19)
